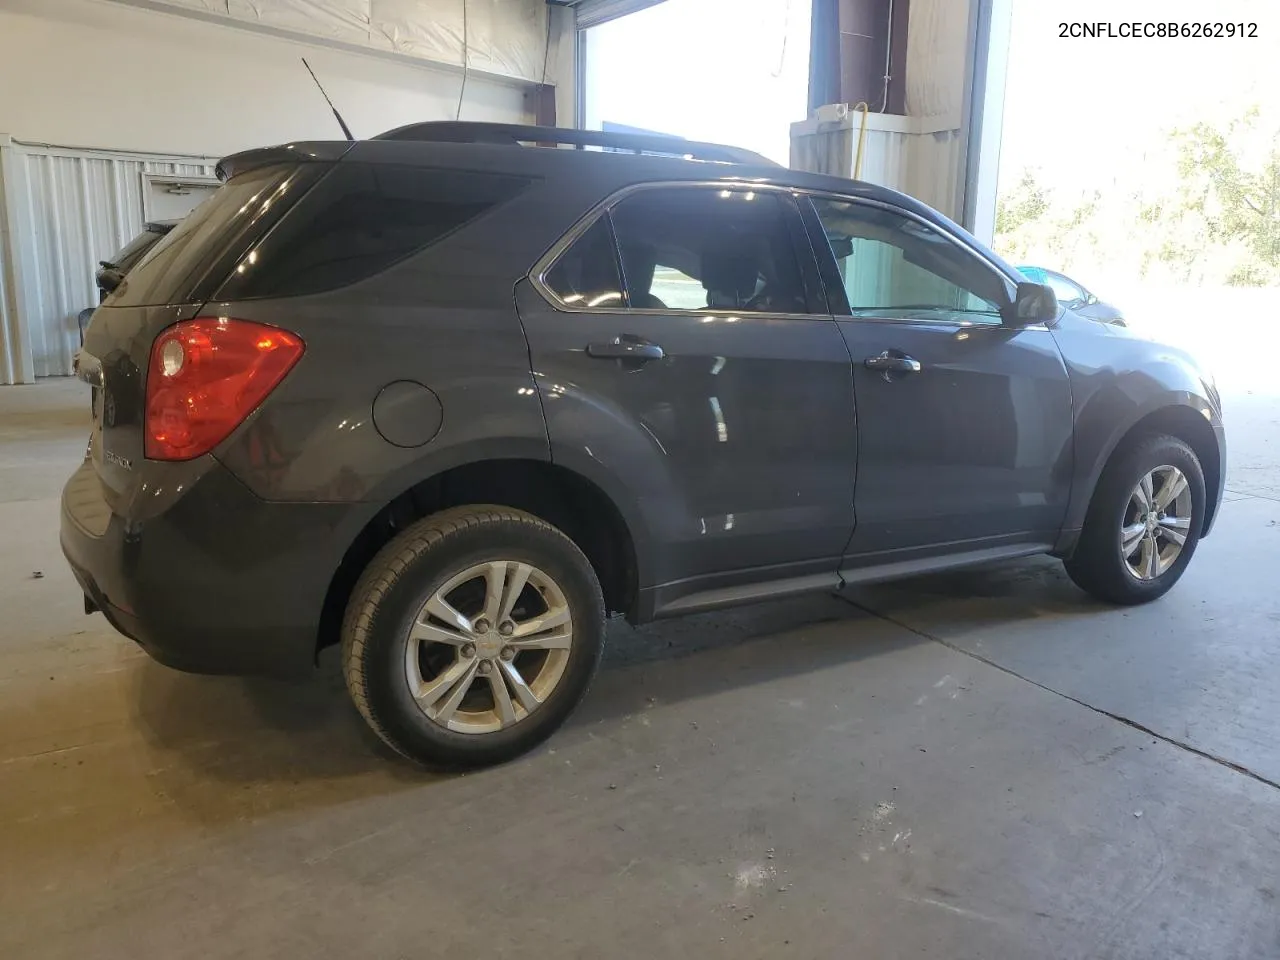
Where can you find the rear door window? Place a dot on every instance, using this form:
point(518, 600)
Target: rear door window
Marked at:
point(361, 219)
point(586, 275)
point(705, 248)
point(175, 269)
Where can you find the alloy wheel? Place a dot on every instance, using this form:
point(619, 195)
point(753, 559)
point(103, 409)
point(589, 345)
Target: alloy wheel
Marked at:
point(488, 648)
point(1157, 521)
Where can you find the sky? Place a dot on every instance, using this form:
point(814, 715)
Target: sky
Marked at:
point(1086, 112)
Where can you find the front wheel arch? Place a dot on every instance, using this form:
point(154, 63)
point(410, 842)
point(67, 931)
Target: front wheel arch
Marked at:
point(1183, 421)
point(1192, 428)
point(1100, 563)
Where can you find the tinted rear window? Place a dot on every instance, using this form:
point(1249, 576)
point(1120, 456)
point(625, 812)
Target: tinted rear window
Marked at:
point(360, 220)
point(176, 268)
point(133, 250)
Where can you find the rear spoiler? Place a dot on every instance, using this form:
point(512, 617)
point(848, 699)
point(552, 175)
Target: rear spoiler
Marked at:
point(319, 151)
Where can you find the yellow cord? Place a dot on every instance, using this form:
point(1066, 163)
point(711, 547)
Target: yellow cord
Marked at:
point(862, 137)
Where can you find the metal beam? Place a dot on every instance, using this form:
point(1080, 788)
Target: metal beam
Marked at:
point(984, 114)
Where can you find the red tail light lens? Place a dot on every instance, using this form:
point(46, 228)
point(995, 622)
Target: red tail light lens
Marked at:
point(206, 375)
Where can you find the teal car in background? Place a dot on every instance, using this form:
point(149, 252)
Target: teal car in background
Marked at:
point(1074, 296)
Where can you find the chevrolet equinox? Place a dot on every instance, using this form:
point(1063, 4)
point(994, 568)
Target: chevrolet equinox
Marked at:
point(453, 396)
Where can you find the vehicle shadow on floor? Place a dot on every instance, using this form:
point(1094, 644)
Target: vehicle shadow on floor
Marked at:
point(265, 731)
point(308, 736)
point(964, 601)
point(290, 744)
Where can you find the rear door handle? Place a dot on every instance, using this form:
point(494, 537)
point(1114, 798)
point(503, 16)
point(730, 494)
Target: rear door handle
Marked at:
point(626, 348)
point(889, 363)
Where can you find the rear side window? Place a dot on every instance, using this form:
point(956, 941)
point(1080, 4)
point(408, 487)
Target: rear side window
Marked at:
point(173, 270)
point(587, 274)
point(696, 248)
point(360, 220)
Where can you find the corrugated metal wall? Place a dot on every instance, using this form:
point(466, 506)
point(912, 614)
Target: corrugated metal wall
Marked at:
point(922, 154)
point(68, 209)
point(935, 171)
point(923, 165)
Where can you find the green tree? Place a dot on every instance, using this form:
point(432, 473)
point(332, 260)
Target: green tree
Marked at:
point(1023, 218)
point(1231, 183)
point(1206, 210)
point(1026, 203)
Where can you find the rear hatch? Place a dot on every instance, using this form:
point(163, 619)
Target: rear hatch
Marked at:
point(169, 284)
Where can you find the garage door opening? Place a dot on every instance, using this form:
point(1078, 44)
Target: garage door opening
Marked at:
point(727, 71)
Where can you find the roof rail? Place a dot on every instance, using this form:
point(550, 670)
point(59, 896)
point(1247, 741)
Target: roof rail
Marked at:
point(514, 134)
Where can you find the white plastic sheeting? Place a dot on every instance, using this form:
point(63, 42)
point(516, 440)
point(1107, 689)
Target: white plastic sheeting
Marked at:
point(71, 209)
point(937, 43)
point(506, 37)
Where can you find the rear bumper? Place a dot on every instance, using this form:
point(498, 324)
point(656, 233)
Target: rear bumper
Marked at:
point(219, 583)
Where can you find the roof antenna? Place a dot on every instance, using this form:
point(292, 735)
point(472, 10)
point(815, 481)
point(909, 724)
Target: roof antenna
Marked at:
point(336, 115)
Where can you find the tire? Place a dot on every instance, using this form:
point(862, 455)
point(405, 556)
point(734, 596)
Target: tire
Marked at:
point(1099, 565)
point(384, 666)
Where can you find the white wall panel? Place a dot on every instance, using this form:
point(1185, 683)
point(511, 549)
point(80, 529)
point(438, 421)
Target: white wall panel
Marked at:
point(344, 20)
point(124, 77)
point(72, 209)
point(504, 37)
point(130, 78)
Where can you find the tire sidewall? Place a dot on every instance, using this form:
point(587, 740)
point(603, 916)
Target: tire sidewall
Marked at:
point(1119, 483)
point(388, 686)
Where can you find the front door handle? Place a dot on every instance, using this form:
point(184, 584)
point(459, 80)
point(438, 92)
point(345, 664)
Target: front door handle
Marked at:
point(892, 362)
point(626, 347)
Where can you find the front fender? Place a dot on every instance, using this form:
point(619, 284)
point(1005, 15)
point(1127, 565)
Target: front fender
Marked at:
point(1117, 383)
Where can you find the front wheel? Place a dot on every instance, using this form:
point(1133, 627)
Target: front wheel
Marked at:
point(472, 635)
point(1143, 525)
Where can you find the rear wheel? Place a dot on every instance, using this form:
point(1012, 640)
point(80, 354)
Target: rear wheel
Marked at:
point(472, 635)
point(1143, 524)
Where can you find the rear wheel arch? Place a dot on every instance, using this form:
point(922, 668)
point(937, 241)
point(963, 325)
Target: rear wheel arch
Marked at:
point(572, 503)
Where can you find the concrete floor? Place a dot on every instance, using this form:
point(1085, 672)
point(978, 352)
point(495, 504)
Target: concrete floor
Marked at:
point(981, 765)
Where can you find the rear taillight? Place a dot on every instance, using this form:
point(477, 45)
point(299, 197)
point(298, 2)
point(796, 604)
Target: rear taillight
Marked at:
point(206, 375)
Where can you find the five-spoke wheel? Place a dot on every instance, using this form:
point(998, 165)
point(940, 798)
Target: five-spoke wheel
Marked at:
point(472, 635)
point(1143, 523)
point(489, 646)
point(1157, 522)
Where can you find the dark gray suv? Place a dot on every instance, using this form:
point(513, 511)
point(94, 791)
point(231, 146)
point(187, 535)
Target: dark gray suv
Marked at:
point(451, 396)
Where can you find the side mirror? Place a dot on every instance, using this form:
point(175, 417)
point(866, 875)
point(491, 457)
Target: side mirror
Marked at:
point(1032, 303)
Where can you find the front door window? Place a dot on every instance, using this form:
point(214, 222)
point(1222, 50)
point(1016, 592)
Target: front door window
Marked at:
point(893, 266)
